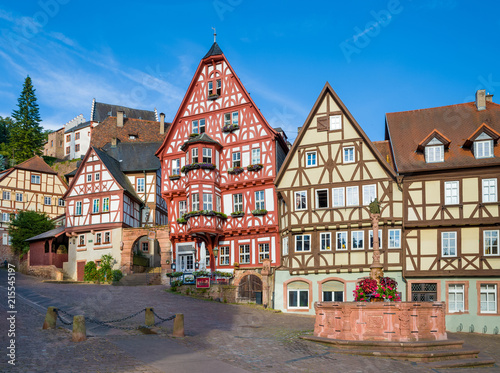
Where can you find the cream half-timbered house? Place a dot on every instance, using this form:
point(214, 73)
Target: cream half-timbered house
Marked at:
point(115, 187)
point(448, 159)
point(329, 178)
point(221, 156)
point(31, 185)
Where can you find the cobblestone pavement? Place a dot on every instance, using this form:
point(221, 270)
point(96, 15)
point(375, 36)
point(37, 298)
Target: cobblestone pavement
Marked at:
point(242, 335)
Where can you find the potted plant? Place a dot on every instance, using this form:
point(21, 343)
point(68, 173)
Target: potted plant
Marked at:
point(259, 212)
point(237, 214)
point(235, 170)
point(228, 128)
point(174, 177)
point(255, 167)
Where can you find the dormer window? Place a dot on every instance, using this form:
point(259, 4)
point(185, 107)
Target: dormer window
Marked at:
point(434, 151)
point(483, 146)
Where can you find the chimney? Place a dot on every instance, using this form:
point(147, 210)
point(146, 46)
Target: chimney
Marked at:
point(489, 97)
point(481, 99)
point(162, 123)
point(113, 142)
point(119, 118)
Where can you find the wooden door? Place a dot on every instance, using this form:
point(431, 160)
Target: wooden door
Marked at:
point(80, 270)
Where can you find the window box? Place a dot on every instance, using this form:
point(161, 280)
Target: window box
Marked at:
point(237, 214)
point(255, 167)
point(259, 212)
point(194, 166)
point(174, 177)
point(204, 213)
point(181, 221)
point(213, 97)
point(228, 128)
point(193, 135)
point(235, 170)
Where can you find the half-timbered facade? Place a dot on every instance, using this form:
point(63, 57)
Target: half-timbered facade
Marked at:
point(331, 175)
point(31, 185)
point(219, 161)
point(115, 187)
point(448, 161)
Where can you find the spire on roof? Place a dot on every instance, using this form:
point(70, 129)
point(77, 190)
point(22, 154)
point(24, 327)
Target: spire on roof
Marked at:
point(214, 50)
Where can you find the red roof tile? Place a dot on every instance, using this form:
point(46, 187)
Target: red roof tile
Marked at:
point(36, 164)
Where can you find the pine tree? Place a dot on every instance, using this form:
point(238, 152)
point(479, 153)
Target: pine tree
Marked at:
point(26, 135)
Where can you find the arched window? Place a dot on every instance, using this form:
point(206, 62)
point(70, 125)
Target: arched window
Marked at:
point(333, 291)
point(298, 294)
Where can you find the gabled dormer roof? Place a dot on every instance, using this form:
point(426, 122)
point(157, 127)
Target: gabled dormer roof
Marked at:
point(328, 90)
point(214, 51)
point(483, 128)
point(434, 135)
point(204, 138)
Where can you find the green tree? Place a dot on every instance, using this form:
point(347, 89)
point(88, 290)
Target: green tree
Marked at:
point(25, 225)
point(26, 135)
point(5, 126)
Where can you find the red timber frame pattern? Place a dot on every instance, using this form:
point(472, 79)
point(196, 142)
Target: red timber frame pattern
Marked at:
point(253, 133)
point(330, 171)
point(124, 210)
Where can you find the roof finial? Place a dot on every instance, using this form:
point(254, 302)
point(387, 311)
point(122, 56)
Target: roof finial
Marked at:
point(215, 34)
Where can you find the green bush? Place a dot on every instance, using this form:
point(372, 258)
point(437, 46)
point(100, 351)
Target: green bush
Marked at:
point(90, 272)
point(117, 275)
point(175, 284)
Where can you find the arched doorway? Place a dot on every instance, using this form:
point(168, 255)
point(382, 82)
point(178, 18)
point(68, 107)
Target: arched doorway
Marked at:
point(147, 251)
point(248, 286)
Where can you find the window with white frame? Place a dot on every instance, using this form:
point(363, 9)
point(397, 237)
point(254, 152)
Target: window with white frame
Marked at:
point(490, 242)
point(89, 178)
point(182, 208)
point(489, 190)
point(201, 128)
point(105, 204)
point(97, 176)
point(98, 238)
point(303, 242)
point(301, 200)
point(451, 193)
point(335, 122)
point(349, 154)
point(311, 160)
point(5, 217)
point(6, 195)
point(145, 246)
point(236, 159)
point(341, 240)
point(231, 118)
point(256, 156)
point(107, 237)
point(207, 202)
point(285, 245)
point(449, 244)
point(369, 194)
point(5, 239)
point(370, 234)
point(483, 149)
point(78, 208)
point(298, 295)
point(47, 200)
point(194, 155)
point(259, 200)
point(196, 201)
point(95, 206)
point(176, 167)
point(19, 197)
point(394, 238)
point(263, 252)
point(218, 87)
point(244, 254)
point(238, 202)
point(333, 291)
point(35, 179)
point(456, 296)
point(224, 255)
point(207, 155)
point(217, 203)
point(141, 185)
point(488, 298)
point(352, 196)
point(357, 240)
point(210, 89)
point(325, 240)
point(62, 203)
point(81, 240)
point(207, 258)
point(322, 198)
point(434, 154)
point(338, 197)
point(194, 124)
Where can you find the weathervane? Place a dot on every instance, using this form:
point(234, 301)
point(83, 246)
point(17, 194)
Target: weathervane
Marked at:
point(215, 34)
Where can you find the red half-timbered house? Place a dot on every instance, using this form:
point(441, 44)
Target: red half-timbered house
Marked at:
point(219, 161)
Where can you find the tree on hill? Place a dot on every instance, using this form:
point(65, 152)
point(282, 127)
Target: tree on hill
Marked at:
point(26, 135)
point(5, 127)
point(25, 225)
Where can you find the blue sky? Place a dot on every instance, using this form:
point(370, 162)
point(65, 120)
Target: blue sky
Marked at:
point(379, 56)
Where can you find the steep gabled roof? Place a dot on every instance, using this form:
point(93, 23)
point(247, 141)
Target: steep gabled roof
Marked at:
point(457, 122)
point(135, 157)
point(483, 128)
point(100, 111)
point(144, 130)
point(435, 134)
point(327, 89)
point(37, 164)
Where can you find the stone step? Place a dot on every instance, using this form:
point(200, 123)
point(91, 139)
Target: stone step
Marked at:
point(448, 344)
point(480, 361)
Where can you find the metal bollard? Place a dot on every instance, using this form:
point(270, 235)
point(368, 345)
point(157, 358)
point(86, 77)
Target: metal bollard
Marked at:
point(178, 325)
point(79, 330)
point(150, 317)
point(50, 318)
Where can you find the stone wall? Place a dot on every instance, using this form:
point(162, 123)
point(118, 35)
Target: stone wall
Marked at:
point(224, 293)
point(47, 272)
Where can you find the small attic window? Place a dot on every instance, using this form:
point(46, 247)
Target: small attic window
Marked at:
point(434, 151)
point(133, 136)
point(483, 146)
